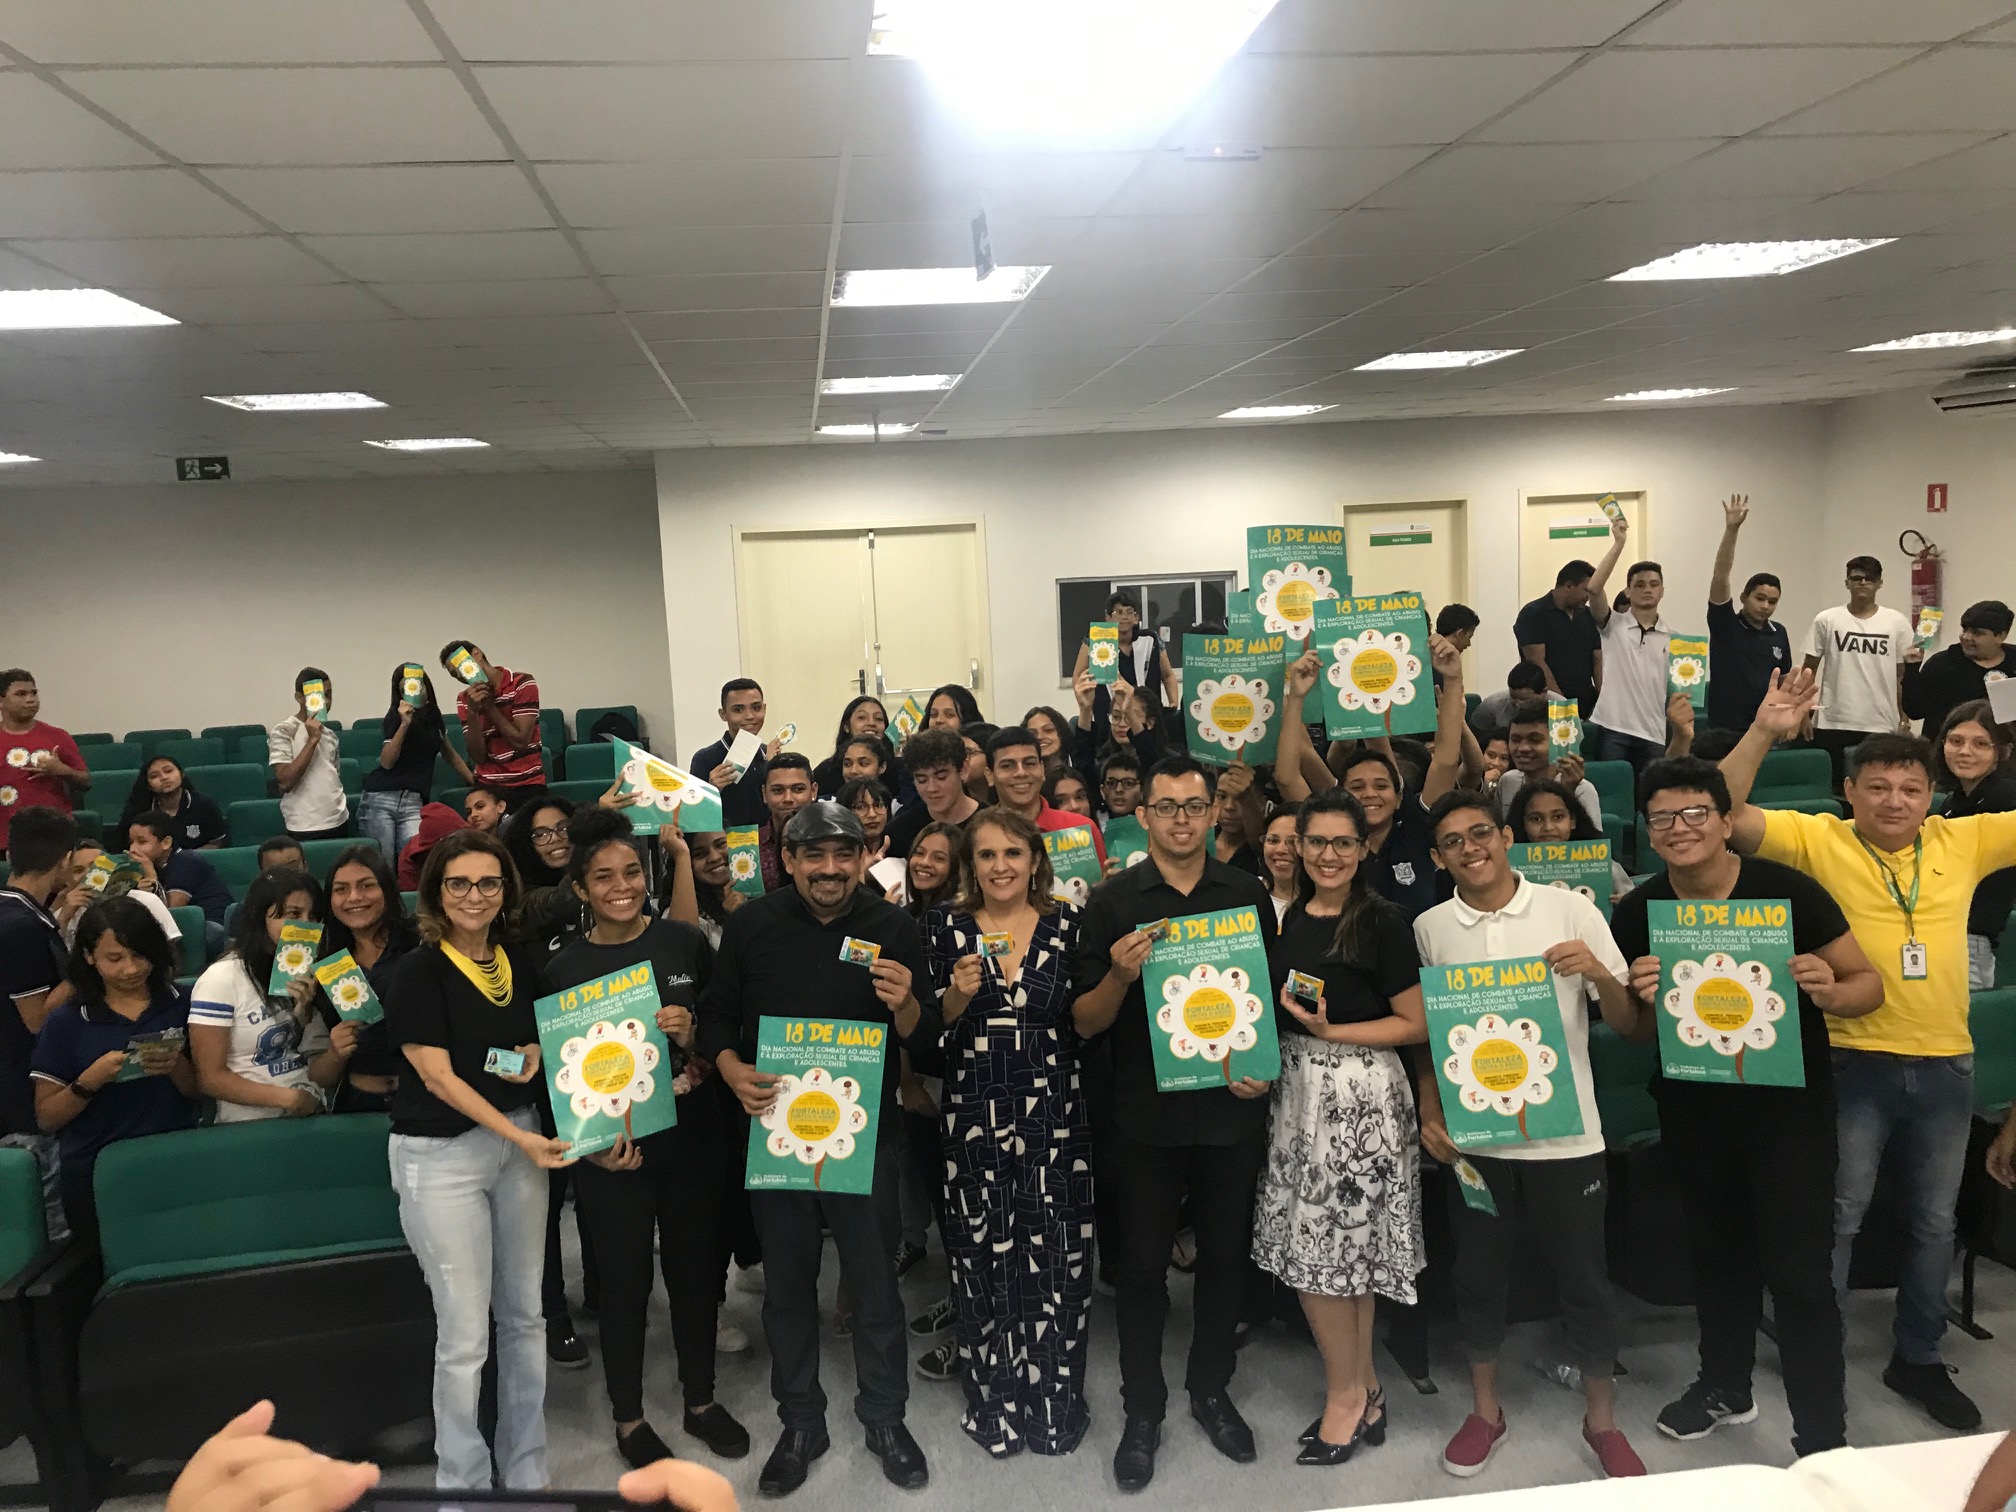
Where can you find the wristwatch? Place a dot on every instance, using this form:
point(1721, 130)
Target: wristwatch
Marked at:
point(81, 1092)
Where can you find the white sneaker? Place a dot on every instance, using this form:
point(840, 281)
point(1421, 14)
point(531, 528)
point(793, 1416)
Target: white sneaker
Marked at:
point(728, 1339)
point(750, 1280)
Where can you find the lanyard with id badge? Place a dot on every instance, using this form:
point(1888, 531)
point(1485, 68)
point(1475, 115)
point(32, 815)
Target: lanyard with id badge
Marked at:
point(1913, 961)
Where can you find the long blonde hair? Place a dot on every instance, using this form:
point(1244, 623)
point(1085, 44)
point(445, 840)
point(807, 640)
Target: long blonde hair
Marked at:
point(972, 898)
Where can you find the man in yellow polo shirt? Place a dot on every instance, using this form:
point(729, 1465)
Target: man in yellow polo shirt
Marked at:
point(1905, 878)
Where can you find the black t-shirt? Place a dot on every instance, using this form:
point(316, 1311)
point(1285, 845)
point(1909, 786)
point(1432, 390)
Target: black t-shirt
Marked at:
point(682, 963)
point(374, 1055)
point(1994, 894)
point(412, 771)
point(1571, 642)
point(1817, 922)
point(903, 828)
point(1354, 991)
point(742, 805)
point(1403, 870)
point(432, 1003)
point(1741, 659)
point(32, 959)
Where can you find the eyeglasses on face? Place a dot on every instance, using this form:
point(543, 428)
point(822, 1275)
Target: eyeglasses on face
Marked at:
point(484, 887)
point(1318, 845)
point(546, 834)
point(1479, 835)
point(1169, 808)
point(1693, 816)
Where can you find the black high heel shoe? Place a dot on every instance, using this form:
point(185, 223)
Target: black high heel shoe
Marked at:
point(1370, 1432)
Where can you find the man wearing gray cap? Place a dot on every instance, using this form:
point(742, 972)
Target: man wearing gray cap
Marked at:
point(786, 955)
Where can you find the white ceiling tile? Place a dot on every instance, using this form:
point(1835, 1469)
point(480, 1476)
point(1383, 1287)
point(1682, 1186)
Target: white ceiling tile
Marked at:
point(715, 291)
point(388, 199)
point(183, 262)
point(1956, 89)
point(458, 256)
point(1378, 26)
point(41, 127)
point(245, 304)
point(637, 31)
point(713, 249)
point(214, 32)
point(898, 113)
point(1988, 167)
point(1149, 239)
point(678, 110)
point(713, 192)
point(22, 273)
point(1708, 22)
point(913, 187)
point(1796, 167)
point(545, 296)
point(1285, 179)
point(121, 202)
point(709, 325)
point(1527, 174)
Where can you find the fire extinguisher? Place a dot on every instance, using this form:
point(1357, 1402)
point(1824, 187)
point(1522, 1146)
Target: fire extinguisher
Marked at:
point(1925, 571)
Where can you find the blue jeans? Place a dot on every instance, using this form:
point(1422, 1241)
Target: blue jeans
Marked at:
point(474, 1210)
point(388, 819)
point(1615, 745)
point(1927, 1102)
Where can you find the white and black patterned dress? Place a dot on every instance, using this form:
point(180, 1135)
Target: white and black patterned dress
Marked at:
point(1018, 1175)
point(1338, 1213)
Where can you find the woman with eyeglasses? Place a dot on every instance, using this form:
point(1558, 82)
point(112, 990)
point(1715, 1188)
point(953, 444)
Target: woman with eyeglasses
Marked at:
point(1338, 1215)
point(469, 1158)
point(536, 836)
point(869, 801)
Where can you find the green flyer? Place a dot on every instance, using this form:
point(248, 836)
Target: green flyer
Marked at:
point(1507, 1078)
point(908, 719)
point(1241, 622)
point(1925, 635)
point(1074, 863)
point(664, 792)
point(1581, 866)
point(745, 862)
point(1289, 569)
point(315, 698)
point(413, 685)
point(1126, 840)
point(344, 984)
point(1102, 653)
point(605, 1060)
point(1231, 687)
point(293, 954)
point(1687, 668)
point(819, 1136)
point(1375, 666)
point(1725, 983)
point(112, 874)
point(466, 667)
point(1564, 728)
point(1208, 1017)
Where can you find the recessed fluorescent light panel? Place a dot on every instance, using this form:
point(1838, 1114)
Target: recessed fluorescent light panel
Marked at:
point(1066, 72)
point(1933, 340)
point(1274, 411)
point(933, 286)
point(916, 383)
point(1745, 259)
point(1655, 396)
point(430, 443)
point(7, 459)
point(270, 403)
point(1398, 362)
point(73, 310)
point(870, 432)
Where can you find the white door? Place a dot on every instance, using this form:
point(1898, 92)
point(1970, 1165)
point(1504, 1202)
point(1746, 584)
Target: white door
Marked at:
point(930, 614)
point(1556, 529)
point(1418, 547)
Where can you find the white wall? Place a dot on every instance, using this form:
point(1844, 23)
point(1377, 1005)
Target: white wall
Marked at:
point(1081, 506)
point(196, 604)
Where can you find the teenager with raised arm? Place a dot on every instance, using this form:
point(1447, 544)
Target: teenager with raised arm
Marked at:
point(1630, 712)
point(1745, 644)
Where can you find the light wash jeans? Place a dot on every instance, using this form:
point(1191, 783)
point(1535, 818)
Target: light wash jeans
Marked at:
point(49, 1164)
point(388, 820)
point(1927, 1103)
point(474, 1210)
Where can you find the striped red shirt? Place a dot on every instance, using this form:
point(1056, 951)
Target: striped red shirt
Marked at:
point(516, 696)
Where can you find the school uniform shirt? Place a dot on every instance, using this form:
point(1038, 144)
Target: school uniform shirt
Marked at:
point(268, 1043)
point(515, 695)
point(682, 963)
point(1635, 657)
point(904, 827)
point(316, 802)
point(1514, 779)
point(1535, 920)
point(1571, 642)
point(1357, 991)
point(1925, 1017)
point(147, 900)
point(1858, 667)
point(742, 805)
point(185, 871)
point(1945, 680)
point(1741, 659)
point(24, 784)
point(430, 1002)
point(199, 822)
point(76, 1037)
point(32, 960)
point(1403, 869)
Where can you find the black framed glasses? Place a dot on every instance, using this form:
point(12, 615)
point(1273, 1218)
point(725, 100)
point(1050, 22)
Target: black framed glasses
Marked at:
point(1169, 808)
point(1694, 816)
point(1479, 835)
point(484, 887)
point(1341, 845)
point(546, 834)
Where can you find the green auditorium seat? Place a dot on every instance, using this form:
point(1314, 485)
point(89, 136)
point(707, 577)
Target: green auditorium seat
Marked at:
point(1615, 784)
point(252, 749)
point(591, 763)
point(232, 734)
point(361, 741)
point(25, 1410)
point(122, 754)
point(188, 753)
point(2005, 956)
point(452, 796)
point(351, 772)
point(236, 866)
point(240, 782)
point(1623, 1075)
point(195, 945)
point(147, 740)
point(579, 792)
point(552, 730)
point(1793, 774)
point(321, 855)
point(1614, 830)
point(91, 823)
point(93, 737)
point(1991, 1019)
point(1828, 806)
point(252, 820)
point(584, 720)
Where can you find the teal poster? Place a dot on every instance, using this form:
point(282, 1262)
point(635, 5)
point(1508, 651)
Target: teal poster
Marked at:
point(605, 1060)
point(1725, 988)
point(1206, 981)
point(1376, 680)
point(1289, 570)
point(1505, 1077)
point(665, 793)
point(1581, 866)
point(1126, 840)
point(1074, 863)
point(1231, 694)
point(819, 1135)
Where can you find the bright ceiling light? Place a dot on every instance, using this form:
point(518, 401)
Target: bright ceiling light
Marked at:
point(264, 403)
point(916, 383)
point(73, 310)
point(1404, 361)
point(1931, 340)
point(1654, 396)
point(933, 286)
point(869, 432)
point(430, 443)
point(1274, 411)
point(1745, 259)
point(1063, 72)
point(9, 458)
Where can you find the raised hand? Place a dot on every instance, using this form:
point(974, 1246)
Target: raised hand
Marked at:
point(1735, 510)
point(1444, 657)
point(1788, 703)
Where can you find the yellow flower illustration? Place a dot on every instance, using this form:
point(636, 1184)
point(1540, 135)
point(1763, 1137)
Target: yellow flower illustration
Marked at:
point(1725, 1004)
point(1565, 732)
point(1375, 672)
point(742, 866)
point(815, 1118)
point(1104, 654)
point(659, 786)
point(1689, 671)
point(1209, 1014)
point(18, 756)
point(1232, 713)
point(1499, 1067)
point(607, 1070)
point(410, 687)
point(350, 994)
point(295, 957)
point(1286, 602)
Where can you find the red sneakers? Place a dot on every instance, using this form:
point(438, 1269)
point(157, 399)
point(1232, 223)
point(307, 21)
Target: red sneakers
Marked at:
point(1474, 1444)
point(1612, 1449)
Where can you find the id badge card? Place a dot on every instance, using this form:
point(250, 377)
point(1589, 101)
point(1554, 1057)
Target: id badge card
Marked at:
point(859, 952)
point(1914, 961)
point(1306, 987)
point(501, 1062)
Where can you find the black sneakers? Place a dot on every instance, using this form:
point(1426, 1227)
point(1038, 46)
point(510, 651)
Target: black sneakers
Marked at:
point(1703, 1409)
point(908, 1257)
point(940, 1364)
point(563, 1346)
point(1931, 1387)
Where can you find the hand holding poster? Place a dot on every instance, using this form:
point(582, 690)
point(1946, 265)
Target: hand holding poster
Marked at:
point(1074, 864)
point(293, 954)
point(1725, 989)
point(349, 992)
point(1581, 866)
point(1102, 653)
point(1208, 1018)
point(819, 1135)
point(606, 1060)
point(1289, 569)
point(1234, 687)
point(1374, 652)
point(413, 685)
point(1926, 633)
point(1564, 728)
point(745, 862)
point(1687, 668)
point(664, 792)
point(1503, 1065)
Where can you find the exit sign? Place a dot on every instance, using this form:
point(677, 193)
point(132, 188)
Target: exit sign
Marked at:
point(1935, 498)
point(202, 469)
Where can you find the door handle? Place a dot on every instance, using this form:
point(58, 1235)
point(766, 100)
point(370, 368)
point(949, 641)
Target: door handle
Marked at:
point(861, 681)
point(880, 686)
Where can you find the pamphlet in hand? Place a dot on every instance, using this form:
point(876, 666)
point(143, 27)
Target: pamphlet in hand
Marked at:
point(607, 1063)
point(1205, 982)
point(1102, 653)
point(466, 667)
point(1374, 652)
point(1581, 866)
point(413, 685)
point(907, 720)
point(1930, 620)
point(135, 1069)
point(315, 698)
point(743, 751)
point(1612, 510)
point(1233, 690)
point(745, 862)
point(1728, 1008)
point(1074, 863)
point(1564, 728)
point(1126, 840)
point(348, 990)
point(665, 793)
point(111, 875)
point(293, 955)
point(1502, 1053)
point(819, 1135)
point(1289, 569)
point(1687, 668)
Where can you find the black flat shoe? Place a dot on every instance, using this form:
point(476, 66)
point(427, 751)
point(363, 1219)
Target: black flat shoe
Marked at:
point(1222, 1424)
point(1134, 1460)
point(902, 1461)
point(785, 1470)
point(641, 1446)
point(716, 1427)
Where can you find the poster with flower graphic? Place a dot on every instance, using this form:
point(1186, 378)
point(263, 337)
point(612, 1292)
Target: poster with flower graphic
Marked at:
point(1564, 728)
point(606, 1060)
point(1209, 1019)
point(907, 720)
point(1074, 864)
point(1126, 840)
point(1375, 679)
point(1102, 653)
point(1233, 689)
point(315, 698)
point(819, 1135)
point(665, 793)
point(745, 862)
point(1502, 1053)
point(466, 668)
point(1687, 668)
point(1244, 623)
point(1292, 568)
point(1725, 988)
point(1581, 866)
point(349, 992)
point(413, 685)
point(293, 954)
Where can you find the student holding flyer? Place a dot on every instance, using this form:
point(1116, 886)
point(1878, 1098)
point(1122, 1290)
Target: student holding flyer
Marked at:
point(1755, 1164)
point(1558, 1183)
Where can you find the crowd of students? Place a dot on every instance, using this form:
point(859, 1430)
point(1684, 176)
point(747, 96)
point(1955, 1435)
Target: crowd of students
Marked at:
point(1020, 1113)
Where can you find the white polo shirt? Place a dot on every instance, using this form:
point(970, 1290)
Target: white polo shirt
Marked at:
point(1632, 700)
point(1535, 920)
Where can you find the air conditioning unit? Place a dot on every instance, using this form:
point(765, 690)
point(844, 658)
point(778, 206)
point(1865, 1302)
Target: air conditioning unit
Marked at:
point(1984, 388)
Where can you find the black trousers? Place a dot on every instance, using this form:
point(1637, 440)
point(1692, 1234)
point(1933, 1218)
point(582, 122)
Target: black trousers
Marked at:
point(681, 1197)
point(1837, 744)
point(924, 1149)
point(1758, 1192)
point(866, 1231)
point(1562, 1203)
point(1149, 1183)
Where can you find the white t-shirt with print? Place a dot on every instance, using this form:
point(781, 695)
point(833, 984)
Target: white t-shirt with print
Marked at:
point(1858, 667)
point(316, 802)
point(267, 1044)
